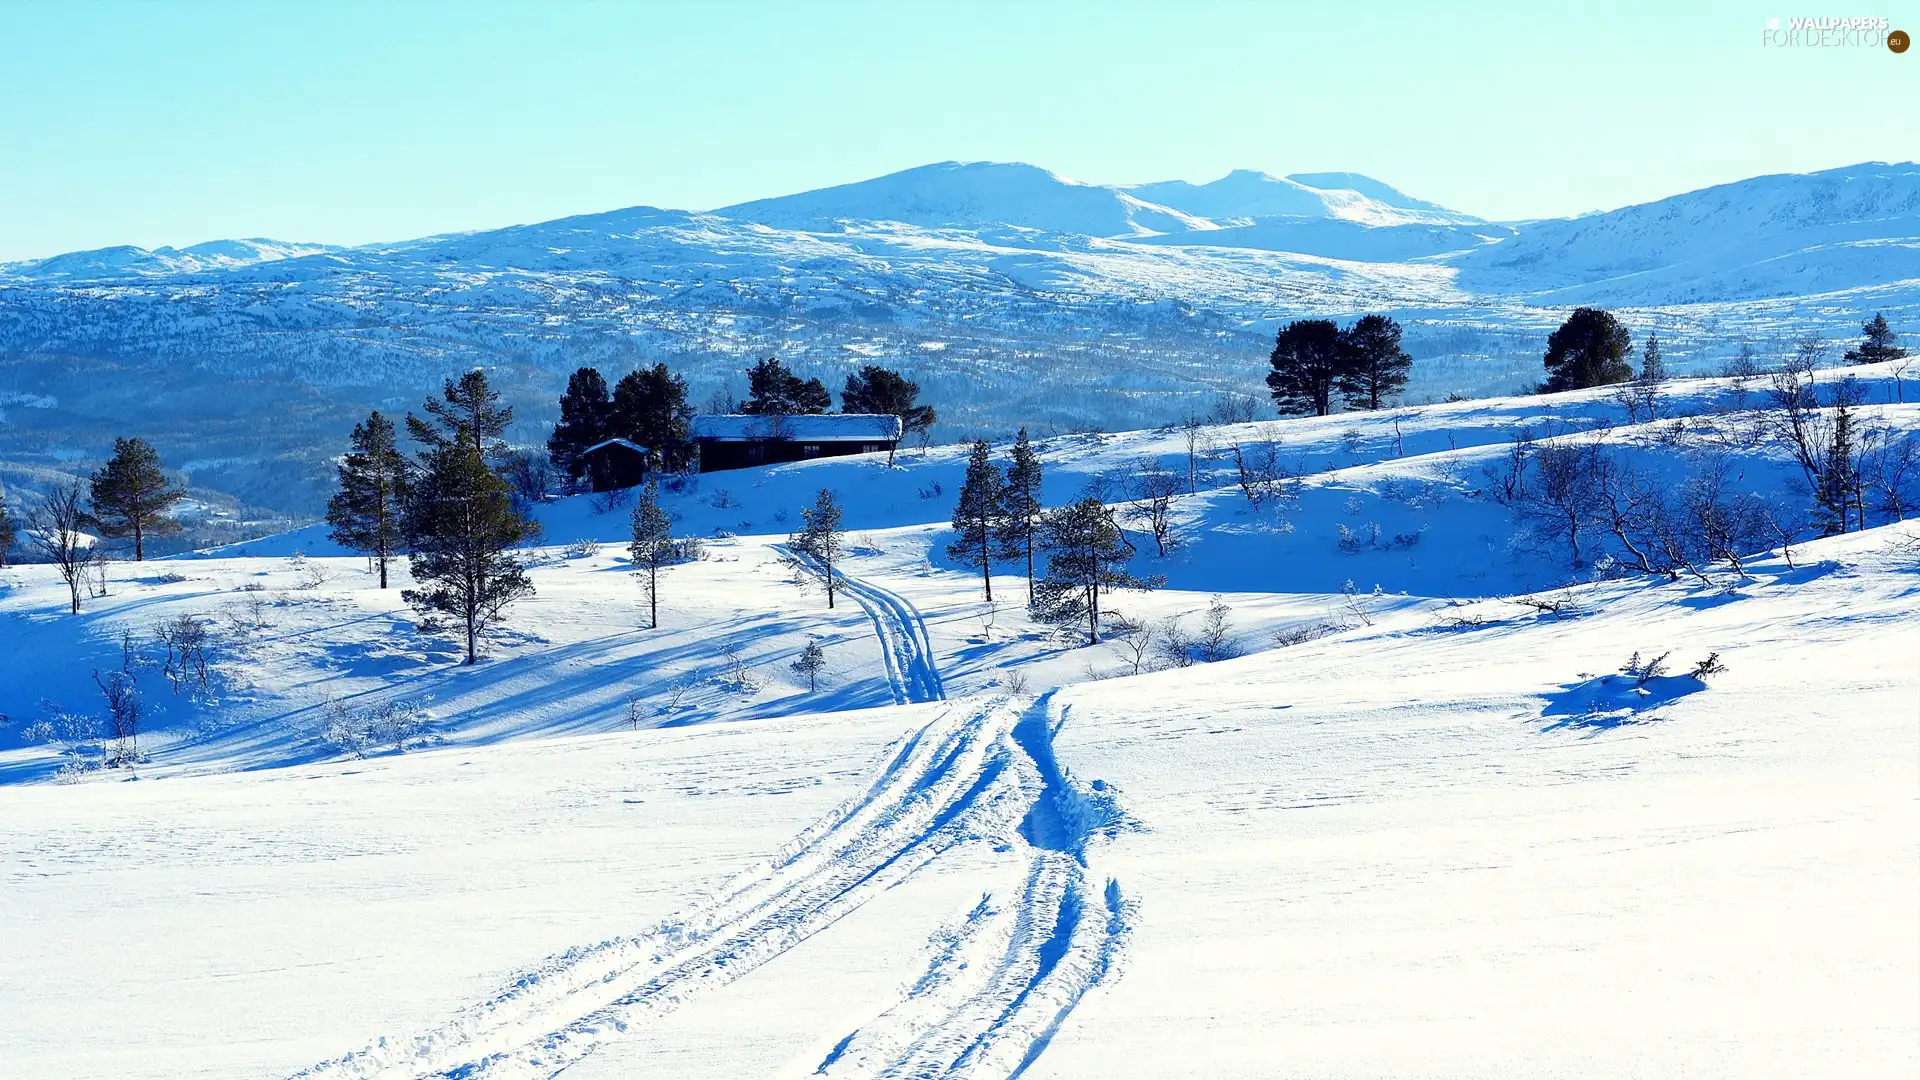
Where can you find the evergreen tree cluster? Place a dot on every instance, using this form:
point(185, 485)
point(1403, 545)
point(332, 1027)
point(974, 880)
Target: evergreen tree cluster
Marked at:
point(647, 407)
point(1316, 364)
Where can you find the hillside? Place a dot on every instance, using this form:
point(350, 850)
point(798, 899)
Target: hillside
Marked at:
point(1408, 810)
point(1010, 294)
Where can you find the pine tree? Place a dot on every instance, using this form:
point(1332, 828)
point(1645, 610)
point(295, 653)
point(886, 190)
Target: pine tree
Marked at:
point(6, 530)
point(877, 390)
point(366, 512)
point(469, 409)
point(652, 546)
point(820, 537)
point(1374, 368)
point(980, 515)
point(1590, 349)
point(1020, 517)
point(1087, 555)
point(1652, 368)
point(772, 390)
point(650, 408)
point(461, 528)
point(1877, 342)
point(1307, 362)
point(585, 411)
point(130, 495)
point(810, 663)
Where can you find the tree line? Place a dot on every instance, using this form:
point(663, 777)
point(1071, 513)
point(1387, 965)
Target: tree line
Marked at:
point(649, 407)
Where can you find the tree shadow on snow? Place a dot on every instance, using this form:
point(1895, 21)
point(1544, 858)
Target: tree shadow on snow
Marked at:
point(1614, 701)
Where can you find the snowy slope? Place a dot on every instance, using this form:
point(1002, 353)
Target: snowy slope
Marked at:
point(1439, 837)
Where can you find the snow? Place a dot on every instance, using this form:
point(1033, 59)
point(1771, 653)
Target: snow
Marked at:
point(828, 427)
point(1445, 837)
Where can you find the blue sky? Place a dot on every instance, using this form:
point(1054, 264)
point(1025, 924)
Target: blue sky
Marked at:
point(173, 123)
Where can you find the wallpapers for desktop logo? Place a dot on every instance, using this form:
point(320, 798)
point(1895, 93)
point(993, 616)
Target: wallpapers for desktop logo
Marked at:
point(1845, 31)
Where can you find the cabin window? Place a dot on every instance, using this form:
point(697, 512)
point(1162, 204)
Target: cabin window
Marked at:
point(756, 454)
point(868, 448)
point(810, 450)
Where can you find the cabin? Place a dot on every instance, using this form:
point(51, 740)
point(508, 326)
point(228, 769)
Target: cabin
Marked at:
point(738, 441)
point(616, 464)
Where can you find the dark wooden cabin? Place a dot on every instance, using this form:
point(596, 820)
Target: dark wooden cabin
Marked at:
point(740, 441)
point(616, 464)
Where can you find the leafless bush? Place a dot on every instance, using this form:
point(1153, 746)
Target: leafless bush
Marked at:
point(125, 710)
point(1215, 639)
point(722, 499)
point(1175, 645)
point(308, 574)
point(1558, 605)
point(1262, 478)
point(735, 675)
point(1152, 490)
point(57, 530)
point(1234, 409)
point(187, 639)
point(585, 547)
point(1301, 633)
point(1134, 641)
point(395, 724)
point(1506, 482)
point(1016, 682)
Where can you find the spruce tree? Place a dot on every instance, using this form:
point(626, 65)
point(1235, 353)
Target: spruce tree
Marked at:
point(585, 411)
point(461, 529)
point(650, 408)
point(468, 409)
point(1374, 367)
point(980, 515)
point(652, 546)
point(810, 663)
point(366, 512)
point(130, 496)
point(1590, 349)
point(1653, 369)
point(1087, 555)
point(6, 530)
point(772, 390)
point(820, 537)
point(877, 390)
point(1021, 514)
point(1877, 342)
point(1307, 363)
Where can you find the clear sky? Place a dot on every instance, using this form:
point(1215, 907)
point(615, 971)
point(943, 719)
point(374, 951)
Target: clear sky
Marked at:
point(174, 122)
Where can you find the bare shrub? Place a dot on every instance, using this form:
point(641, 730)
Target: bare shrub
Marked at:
point(1215, 639)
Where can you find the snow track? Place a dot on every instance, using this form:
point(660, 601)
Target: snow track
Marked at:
point(986, 1006)
point(904, 641)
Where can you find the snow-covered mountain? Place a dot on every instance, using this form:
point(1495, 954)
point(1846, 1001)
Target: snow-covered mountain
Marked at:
point(1013, 295)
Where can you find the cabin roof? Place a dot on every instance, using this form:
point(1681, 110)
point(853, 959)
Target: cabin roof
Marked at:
point(827, 427)
point(633, 446)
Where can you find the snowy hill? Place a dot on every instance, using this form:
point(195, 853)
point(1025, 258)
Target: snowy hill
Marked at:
point(1012, 295)
point(1426, 802)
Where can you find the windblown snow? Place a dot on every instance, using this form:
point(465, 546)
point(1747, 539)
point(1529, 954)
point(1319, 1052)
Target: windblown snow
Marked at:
point(1413, 821)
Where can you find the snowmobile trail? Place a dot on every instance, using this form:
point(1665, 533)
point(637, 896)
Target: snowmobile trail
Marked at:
point(983, 772)
point(904, 642)
point(1001, 982)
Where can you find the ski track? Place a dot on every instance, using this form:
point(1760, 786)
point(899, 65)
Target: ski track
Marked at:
point(1000, 983)
point(997, 986)
point(904, 642)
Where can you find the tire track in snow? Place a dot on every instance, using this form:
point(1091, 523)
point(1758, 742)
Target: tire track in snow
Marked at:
point(1002, 981)
point(985, 772)
point(904, 642)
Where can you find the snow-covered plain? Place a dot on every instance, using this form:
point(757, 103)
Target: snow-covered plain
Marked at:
point(1445, 839)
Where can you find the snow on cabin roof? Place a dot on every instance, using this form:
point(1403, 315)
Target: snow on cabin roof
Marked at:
point(827, 427)
point(633, 446)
